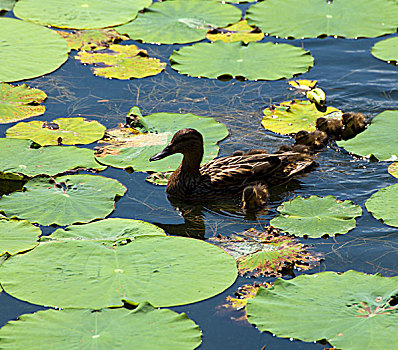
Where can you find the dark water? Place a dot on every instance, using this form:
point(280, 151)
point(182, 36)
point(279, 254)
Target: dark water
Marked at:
point(353, 81)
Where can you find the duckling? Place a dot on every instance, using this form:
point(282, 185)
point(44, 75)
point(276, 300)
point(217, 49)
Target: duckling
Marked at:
point(332, 126)
point(314, 140)
point(254, 197)
point(225, 176)
point(354, 123)
point(294, 148)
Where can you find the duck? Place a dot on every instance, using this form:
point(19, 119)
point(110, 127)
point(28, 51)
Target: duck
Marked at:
point(254, 197)
point(225, 176)
point(354, 123)
point(332, 126)
point(315, 140)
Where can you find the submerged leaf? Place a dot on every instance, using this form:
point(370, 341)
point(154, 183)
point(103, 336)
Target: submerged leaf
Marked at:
point(20, 102)
point(384, 205)
point(143, 328)
point(68, 131)
point(243, 294)
point(159, 178)
point(122, 62)
point(316, 216)
point(240, 31)
point(351, 311)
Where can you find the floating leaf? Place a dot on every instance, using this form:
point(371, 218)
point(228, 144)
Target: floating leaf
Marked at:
point(393, 169)
point(113, 230)
point(265, 61)
point(384, 205)
point(163, 270)
point(180, 21)
point(243, 294)
point(351, 311)
point(123, 62)
point(386, 50)
point(28, 50)
point(17, 236)
point(136, 151)
point(20, 102)
point(316, 216)
point(69, 131)
point(293, 116)
point(313, 18)
point(159, 178)
point(143, 328)
point(378, 140)
point(63, 200)
point(266, 253)
point(79, 14)
point(91, 39)
point(18, 156)
point(240, 31)
point(6, 5)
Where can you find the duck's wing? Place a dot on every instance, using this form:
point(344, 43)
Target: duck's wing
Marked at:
point(240, 169)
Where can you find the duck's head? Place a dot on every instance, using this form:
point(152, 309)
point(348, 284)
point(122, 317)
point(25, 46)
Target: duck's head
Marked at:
point(184, 141)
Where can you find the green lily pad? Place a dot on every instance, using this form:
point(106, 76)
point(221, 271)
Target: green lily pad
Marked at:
point(113, 229)
point(143, 328)
point(160, 179)
point(378, 140)
point(386, 50)
point(240, 31)
point(69, 131)
point(265, 61)
point(123, 62)
point(28, 50)
point(164, 270)
point(393, 169)
point(136, 152)
point(91, 39)
point(79, 14)
point(63, 200)
point(384, 205)
point(7, 5)
point(180, 21)
point(266, 253)
point(316, 216)
point(313, 18)
point(20, 102)
point(351, 311)
point(292, 116)
point(17, 236)
point(19, 157)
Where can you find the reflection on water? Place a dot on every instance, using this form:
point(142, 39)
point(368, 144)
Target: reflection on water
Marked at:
point(353, 81)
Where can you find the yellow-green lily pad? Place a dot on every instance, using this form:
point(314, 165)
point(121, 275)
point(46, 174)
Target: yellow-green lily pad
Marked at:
point(292, 116)
point(94, 39)
point(68, 131)
point(122, 62)
point(240, 31)
point(6, 5)
point(20, 102)
point(393, 169)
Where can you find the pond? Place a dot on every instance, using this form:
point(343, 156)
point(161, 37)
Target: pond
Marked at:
point(353, 80)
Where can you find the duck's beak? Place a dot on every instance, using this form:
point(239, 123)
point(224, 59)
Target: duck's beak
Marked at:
point(166, 152)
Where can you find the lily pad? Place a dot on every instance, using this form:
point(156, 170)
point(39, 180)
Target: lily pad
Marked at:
point(28, 50)
point(17, 236)
point(123, 62)
point(136, 152)
point(393, 169)
point(313, 18)
point(68, 131)
point(20, 102)
point(240, 31)
point(351, 311)
point(180, 21)
point(143, 328)
point(243, 294)
point(19, 157)
point(113, 229)
point(293, 116)
point(95, 39)
point(79, 14)
point(6, 5)
point(386, 50)
point(160, 179)
point(316, 216)
point(256, 61)
point(266, 253)
point(63, 200)
point(378, 140)
point(384, 205)
point(164, 270)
